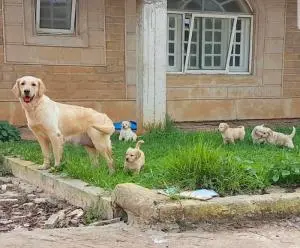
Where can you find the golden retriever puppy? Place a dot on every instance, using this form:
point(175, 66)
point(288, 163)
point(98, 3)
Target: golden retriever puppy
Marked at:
point(126, 133)
point(134, 158)
point(280, 139)
point(259, 134)
point(54, 123)
point(230, 134)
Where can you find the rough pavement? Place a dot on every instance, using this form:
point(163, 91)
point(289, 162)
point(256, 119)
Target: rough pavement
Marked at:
point(121, 236)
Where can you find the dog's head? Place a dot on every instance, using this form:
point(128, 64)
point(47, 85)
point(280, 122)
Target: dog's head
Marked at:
point(262, 131)
point(125, 124)
point(132, 154)
point(223, 127)
point(28, 88)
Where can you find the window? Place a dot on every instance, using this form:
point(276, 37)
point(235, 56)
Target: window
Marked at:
point(55, 16)
point(209, 36)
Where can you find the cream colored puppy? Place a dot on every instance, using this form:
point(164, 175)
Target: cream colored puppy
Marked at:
point(229, 134)
point(280, 139)
point(54, 123)
point(259, 134)
point(134, 158)
point(126, 133)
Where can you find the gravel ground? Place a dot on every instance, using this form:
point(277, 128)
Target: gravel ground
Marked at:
point(23, 206)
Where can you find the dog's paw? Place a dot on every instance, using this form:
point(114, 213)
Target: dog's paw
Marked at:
point(44, 167)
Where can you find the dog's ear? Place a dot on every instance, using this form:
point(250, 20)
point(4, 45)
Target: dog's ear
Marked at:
point(42, 88)
point(16, 88)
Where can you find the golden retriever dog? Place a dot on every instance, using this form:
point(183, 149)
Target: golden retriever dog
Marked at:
point(259, 134)
point(54, 123)
point(134, 158)
point(280, 139)
point(230, 134)
point(126, 133)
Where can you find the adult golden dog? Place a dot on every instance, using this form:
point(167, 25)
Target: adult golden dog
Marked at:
point(54, 123)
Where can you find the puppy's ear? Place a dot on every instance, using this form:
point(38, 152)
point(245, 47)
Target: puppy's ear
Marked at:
point(42, 88)
point(16, 88)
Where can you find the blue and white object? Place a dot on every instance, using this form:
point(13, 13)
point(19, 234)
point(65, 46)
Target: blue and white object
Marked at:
point(118, 125)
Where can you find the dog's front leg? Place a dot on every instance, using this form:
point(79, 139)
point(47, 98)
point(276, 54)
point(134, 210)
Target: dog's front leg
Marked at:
point(45, 146)
point(57, 142)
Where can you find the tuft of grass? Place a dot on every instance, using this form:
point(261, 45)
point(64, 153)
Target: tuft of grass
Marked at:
point(200, 165)
point(187, 160)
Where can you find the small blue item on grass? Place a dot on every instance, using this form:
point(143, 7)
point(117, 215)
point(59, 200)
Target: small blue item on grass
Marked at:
point(118, 125)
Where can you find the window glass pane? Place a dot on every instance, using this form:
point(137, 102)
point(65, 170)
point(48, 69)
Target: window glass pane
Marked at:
point(171, 22)
point(55, 14)
point(208, 49)
point(193, 61)
point(237, 61)
point(207, 61)
point(238, 37)
point(171, 48)
point(193, 48)
point(217, 36)
point(171, 61)
point(232, 6)
point(208, 23)
point(217, 60)
point(208, 36)
point(171, 34)
point(217, 49)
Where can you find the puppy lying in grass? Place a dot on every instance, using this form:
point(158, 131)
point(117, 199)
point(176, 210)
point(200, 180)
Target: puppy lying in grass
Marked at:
point(230, 134)
point(126, 133)
point(280, 139)
point(259, 134)
point(134, 158)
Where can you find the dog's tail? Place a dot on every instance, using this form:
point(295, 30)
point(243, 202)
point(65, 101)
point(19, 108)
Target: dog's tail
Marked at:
point(106, 128)
point(137, 146)
point(293, 133)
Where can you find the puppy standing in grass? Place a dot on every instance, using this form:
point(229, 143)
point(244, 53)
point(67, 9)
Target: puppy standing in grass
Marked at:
point(230, 134)
point(126, 132)
point(134, 158)
point(280, 139)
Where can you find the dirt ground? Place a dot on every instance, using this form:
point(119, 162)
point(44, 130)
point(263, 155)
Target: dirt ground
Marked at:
point(267, 235)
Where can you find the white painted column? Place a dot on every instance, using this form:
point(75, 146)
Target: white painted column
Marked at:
point(151, 61)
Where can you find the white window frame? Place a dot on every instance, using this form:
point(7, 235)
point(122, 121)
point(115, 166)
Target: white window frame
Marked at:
point(233, 16)
point(55, 31)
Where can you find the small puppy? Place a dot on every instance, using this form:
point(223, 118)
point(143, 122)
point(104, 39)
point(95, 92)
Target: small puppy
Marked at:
point(280, 139)
point(259, 134)
point(134, 158)
point(126, 132)
point(229, 134)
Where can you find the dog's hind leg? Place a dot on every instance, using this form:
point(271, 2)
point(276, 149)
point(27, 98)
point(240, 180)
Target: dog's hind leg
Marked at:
point(93, 154)
point(102, 144)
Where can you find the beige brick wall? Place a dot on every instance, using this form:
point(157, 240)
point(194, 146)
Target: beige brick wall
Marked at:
point(291, 77)
point(102, 87)
point(265, 93)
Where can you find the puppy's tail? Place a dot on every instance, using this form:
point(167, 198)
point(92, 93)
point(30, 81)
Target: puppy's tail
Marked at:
point(107, 129)
point(293, 133)
point(137, 146)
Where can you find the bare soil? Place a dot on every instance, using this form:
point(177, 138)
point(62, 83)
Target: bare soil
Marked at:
point(23, 206)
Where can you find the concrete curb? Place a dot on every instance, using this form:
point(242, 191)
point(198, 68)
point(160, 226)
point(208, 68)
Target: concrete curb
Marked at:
point(146, 206)
point(74, 191)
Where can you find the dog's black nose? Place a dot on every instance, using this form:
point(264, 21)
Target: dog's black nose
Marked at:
point(26, 92)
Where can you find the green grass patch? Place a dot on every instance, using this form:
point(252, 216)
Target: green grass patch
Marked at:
point(187, 160)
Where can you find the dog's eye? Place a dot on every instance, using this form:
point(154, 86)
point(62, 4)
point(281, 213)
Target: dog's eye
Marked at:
point(22, 83)
point(33, 84)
